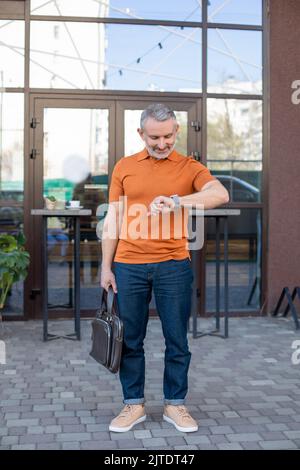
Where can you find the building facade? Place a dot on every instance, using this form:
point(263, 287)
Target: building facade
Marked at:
point(74, 78)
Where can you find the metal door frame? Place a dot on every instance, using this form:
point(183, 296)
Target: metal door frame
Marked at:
point(116, 103)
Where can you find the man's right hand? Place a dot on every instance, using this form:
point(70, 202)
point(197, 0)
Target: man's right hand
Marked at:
point(108, 279)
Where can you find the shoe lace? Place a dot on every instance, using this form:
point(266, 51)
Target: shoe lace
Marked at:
point(126, 410)
point(183, 412)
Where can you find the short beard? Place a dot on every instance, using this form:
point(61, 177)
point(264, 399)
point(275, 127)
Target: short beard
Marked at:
point(152, 153)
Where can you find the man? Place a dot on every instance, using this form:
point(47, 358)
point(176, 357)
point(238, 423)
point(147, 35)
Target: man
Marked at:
point(145, 259)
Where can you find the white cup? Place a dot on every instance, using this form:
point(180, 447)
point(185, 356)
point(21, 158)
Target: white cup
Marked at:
point(74, 203)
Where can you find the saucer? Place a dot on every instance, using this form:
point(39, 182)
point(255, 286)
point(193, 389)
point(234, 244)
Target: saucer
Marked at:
point(74, 208)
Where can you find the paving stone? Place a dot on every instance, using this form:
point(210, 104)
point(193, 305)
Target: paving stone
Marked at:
point(36, 438)
point(67, 428)
point(221, 429)
point(186, 447)
point(22, 422)
point(53, 429)
point(130, 444)
point(4, 431)
point(276, 427)
point(117, 436)
point(74, 436)
point(71, 445)
point(196, 439)
point(23, 447)
point(17, 431)
point(278, 445)
point(168, 432)
point(218, 439)
point(100, 436)
point(260, 420)
point(292, 434)
point(143, 434)
point(242, 392)
point(35, 430)
point(230, 446)
point(155, 441)
point(9, 440)
point(50, 446)
point(244, 437)
point(251, 446)
point(207, 447)
point(48, 421)
point(230, 414)
point(176, 441)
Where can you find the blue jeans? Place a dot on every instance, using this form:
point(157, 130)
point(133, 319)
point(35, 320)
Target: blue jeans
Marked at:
point(171, 281)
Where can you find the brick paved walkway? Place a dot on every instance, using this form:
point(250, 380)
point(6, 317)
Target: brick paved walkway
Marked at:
point(244, 391)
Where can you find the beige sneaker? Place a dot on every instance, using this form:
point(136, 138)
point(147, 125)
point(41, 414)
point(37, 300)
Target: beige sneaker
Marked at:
point(179, 416)
point(129, 416)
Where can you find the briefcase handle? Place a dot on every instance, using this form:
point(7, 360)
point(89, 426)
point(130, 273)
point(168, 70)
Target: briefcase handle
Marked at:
point(108, 298)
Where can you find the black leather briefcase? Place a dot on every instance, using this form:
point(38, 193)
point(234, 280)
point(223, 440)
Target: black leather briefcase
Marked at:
point(107, 333)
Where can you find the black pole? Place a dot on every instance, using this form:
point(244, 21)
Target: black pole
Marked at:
point(77, 275)
point(217, 273)
point(226, 275)
point(45, 280)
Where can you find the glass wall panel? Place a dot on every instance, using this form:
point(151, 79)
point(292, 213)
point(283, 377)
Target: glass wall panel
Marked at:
point(189, 10)
point(11, 179)
point(133, 142)
point(75, 167)
point(234, 61)
point(11, 150)
point(84, 55)
point(235, 11)
point(244, 265)
point(11, 53)
point(234, 146)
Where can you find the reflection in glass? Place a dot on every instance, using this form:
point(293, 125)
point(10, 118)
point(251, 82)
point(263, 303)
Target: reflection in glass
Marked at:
point(244, 262)
point(162, 59)
point(11, 146)
point(75, 168)
point(235, 11)
point(11, 53)
point(188, 10)
point(11, 179)
point(234, 146)
point(234, 61)
point(133, 142)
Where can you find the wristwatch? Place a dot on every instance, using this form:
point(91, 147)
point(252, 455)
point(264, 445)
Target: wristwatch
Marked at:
point(176, 199)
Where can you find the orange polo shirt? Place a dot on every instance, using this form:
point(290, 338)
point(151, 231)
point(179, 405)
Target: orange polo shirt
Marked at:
point(141, 178)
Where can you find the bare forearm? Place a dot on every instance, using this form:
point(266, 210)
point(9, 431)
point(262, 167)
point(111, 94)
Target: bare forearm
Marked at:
point(208, 198)
point(110, 236)
point(109, 247)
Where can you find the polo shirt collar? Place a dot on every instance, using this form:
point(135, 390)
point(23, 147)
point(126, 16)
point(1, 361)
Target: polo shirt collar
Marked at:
point(144, 154)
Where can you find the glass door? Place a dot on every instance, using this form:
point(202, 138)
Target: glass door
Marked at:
point(75, 143)
point(128, 117)
point(188, 114)
point(72, 149)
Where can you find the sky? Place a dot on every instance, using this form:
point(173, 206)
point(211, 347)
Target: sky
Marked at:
point(154, 58)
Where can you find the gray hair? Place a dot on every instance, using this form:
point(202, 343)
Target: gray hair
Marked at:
point(159, 112)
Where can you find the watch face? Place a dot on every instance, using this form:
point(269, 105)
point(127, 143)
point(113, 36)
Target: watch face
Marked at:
point(175, 199)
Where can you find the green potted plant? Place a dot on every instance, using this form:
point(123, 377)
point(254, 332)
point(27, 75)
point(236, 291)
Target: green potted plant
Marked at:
point(50, 202)
point(14, 261)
